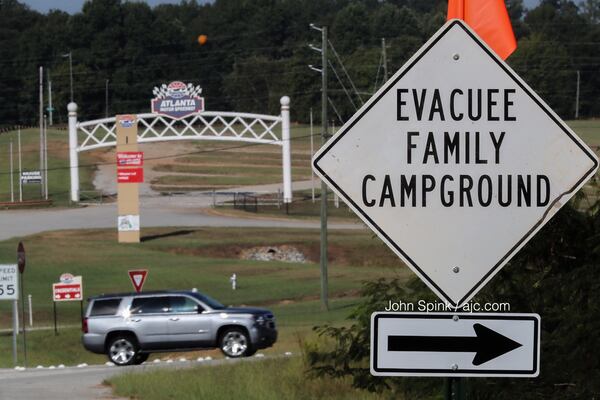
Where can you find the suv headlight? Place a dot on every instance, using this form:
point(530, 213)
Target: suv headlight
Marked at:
point(260, 320)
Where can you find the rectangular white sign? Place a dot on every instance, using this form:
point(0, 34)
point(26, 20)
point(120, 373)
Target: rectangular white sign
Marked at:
point(9, 282)
point(128, 223)
point(455, 344)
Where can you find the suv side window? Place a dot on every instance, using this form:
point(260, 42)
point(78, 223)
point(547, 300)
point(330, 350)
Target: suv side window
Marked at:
point(183, 304)
point(105, 307)
point(150, 305)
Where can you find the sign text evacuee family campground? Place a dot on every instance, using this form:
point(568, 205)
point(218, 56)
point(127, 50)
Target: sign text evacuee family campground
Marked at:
point(455, 163)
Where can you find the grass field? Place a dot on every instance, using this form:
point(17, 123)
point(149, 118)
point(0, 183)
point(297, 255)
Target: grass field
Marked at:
point(257, 380)
point(201, 258)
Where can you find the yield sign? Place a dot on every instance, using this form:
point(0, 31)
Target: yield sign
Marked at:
point(455, 163)
point(138, 277)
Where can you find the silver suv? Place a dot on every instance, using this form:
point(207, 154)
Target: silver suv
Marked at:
point(128, 327)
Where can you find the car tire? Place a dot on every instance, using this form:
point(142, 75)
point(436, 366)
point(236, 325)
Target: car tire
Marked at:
point(123, 350)
point(235, 343)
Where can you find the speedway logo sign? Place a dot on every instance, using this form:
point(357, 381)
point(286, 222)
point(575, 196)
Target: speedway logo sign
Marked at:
point(177, 100)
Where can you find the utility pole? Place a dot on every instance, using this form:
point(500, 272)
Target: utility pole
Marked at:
point(50, 109)
point(45, 171)
point(12, 190)
point(70, 55)
point(312, 153)
point(42, 128)
point(106, 100)
point(20, 171)
point(324, 138)
point(384, 57)
point(577, 97)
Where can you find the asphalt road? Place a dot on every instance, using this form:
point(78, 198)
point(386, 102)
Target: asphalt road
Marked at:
point(155, 212)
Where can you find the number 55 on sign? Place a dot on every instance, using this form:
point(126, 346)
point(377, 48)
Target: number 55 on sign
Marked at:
point(9, 282)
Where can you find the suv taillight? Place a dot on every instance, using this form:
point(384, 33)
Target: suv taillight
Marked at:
point(84, 325)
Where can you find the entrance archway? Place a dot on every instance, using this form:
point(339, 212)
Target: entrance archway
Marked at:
point(206, 125)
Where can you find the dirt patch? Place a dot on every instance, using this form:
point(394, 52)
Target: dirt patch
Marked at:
point(284, 253)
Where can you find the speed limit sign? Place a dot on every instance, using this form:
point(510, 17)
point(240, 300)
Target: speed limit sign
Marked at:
point(9, 288)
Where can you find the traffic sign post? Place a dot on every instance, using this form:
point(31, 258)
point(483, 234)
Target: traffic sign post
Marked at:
point(9, 290)
point(455, 344)
point(138, 278)
point(70, 288)
point(21, 262)
point(455, 152)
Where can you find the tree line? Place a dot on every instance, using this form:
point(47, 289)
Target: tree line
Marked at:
point(257, 51)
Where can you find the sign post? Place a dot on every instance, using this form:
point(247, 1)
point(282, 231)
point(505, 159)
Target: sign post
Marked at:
point(9, 290)
point(21, 261)
point(129, 175)
point(70, 288)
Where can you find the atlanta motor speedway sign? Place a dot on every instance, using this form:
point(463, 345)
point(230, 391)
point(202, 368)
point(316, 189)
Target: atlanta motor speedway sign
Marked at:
point(177, 100)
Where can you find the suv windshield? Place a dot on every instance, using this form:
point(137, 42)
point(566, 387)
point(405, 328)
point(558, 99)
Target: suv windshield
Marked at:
point(212, 303)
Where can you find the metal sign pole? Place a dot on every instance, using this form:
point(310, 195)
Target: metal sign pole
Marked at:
point(55, 325)
point(23, 322)
point(15, 330)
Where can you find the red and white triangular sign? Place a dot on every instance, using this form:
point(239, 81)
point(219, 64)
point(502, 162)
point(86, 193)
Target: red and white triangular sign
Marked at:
point(138, 277)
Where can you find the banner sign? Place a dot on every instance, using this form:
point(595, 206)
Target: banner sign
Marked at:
point(130, 159)
point(130, 175)
point(31, 177)
point(177, 100)
point(70, 288)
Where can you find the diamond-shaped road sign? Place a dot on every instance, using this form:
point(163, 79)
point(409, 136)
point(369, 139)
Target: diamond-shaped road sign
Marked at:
point(455, 163)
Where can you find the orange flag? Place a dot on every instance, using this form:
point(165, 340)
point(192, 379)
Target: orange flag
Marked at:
point(489, 19)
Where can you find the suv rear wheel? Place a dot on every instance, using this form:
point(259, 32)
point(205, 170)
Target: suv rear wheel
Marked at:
point(235, 343)
point(123, 350)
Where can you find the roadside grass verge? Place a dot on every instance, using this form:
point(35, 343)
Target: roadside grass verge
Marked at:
point(275, 379)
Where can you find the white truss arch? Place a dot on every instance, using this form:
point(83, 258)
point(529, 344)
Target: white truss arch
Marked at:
point(207, 125)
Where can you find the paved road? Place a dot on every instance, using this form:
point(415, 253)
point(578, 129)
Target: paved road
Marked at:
point(156, 211)
point(78, 383)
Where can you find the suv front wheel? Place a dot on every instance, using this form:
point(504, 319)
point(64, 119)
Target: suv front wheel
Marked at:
point(235, 343)
point(123, 350)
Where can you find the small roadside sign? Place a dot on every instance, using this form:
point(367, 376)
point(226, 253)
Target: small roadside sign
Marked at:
point(9, 282)
point(69, 289)
point(130, 175)
point(29, 177)
point(455, 163)
point(138, 277)
point(455, 344)
point(21, 259)
point(130, 159)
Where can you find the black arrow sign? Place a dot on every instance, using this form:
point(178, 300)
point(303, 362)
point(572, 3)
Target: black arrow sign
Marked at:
point(487, 344)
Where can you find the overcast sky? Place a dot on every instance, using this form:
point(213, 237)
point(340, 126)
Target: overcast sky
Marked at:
point(73, 6)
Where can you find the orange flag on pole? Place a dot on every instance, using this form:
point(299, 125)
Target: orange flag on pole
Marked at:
point(489, 19)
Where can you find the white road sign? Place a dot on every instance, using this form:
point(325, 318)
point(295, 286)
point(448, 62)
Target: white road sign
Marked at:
point(9, 282)
point(460, 344)
point(455, 163)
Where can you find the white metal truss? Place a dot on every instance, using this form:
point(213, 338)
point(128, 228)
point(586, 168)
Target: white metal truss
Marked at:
point(208, 125)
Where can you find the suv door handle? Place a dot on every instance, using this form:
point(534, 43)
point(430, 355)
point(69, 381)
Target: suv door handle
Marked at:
point(135, 319)
point(174, 319)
